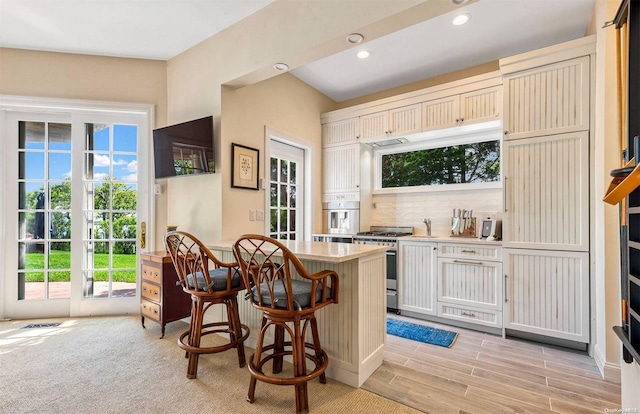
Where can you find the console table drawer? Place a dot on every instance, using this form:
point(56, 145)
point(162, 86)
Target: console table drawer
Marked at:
point(150, 310)
point(151, 291)
point(152, 273)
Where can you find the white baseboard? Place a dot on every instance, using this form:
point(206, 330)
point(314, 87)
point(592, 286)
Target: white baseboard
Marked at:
point(609, 371)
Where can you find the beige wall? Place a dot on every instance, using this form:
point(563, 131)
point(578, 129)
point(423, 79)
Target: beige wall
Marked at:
point(97, 78)
point(285, 104)
point(606, 221)
point(606, 255)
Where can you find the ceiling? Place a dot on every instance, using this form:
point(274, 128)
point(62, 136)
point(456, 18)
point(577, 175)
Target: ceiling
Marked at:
point(161, 29)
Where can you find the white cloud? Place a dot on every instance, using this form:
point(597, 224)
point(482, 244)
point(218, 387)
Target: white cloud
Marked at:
point(100, 176)
point(132, 166)
point(131, 178)
point(101, 160)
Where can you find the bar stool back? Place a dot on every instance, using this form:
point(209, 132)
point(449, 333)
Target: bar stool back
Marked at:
point(287, 295)
point(209, 282)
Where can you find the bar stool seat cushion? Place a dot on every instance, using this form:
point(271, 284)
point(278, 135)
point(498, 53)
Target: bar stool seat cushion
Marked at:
point(218, 279)
point(301, 291)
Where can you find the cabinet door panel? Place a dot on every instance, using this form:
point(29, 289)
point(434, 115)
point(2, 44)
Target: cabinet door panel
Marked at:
point(547, 293)
point(341, 169)
point(481, 106)
point(470, 283)
point(416, 277)
point(547, 192)
point(340, 132)
point(441, 113)
point(405, 120)
point(547, 100)
point(374, 126)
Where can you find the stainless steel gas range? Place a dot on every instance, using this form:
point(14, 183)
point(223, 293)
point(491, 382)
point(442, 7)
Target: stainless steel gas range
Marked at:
point(387, 236)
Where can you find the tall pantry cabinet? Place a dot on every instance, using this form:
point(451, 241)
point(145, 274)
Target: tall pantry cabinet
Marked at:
point(546, 190)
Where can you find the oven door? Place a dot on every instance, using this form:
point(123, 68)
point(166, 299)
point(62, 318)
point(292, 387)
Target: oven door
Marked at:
point(392, 293)
point(392, 269)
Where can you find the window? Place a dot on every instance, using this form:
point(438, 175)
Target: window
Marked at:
point(451, 160)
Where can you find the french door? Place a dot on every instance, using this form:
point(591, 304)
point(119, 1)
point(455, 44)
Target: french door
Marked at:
point(286, 191)
point(75, 192)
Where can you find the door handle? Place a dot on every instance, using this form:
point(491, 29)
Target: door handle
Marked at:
point(142, 236)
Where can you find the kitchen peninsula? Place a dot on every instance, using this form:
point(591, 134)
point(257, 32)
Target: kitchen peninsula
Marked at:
point(353, 331)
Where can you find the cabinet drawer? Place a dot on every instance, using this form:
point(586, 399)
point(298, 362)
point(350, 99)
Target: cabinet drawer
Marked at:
point(151, 291)
point(469, 251)
point(469, 282)
point(150, 310)
point(471, 315)
point(151, 273)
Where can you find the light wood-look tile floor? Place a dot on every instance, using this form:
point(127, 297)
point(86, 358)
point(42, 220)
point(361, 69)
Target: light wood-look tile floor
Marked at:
point(484, 373)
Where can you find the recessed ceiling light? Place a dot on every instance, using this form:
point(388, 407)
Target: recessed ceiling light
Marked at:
point(281, 66)
point(461, 19)
point(355, 38)
point(363, 54)
point(458, 2)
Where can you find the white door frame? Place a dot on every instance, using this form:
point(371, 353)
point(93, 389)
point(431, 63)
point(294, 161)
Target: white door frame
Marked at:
point(275, 135)
point(72, 107)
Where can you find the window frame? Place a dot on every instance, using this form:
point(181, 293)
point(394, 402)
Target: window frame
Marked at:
point(439, 139)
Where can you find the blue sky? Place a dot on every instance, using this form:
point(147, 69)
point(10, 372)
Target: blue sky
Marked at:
point(123, 158)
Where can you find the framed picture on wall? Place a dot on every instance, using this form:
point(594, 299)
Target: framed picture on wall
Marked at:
point(245, 167)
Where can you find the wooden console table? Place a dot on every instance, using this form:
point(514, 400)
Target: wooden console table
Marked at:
point(161, 299)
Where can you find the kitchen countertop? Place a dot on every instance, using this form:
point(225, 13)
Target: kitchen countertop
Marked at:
point(436, 239)
point(319, 251)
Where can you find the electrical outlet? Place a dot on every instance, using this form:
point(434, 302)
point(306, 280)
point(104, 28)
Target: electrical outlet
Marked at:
point(260, 214)
point(252, 215)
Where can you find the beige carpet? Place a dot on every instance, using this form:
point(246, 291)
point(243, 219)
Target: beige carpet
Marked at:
point(112, 365)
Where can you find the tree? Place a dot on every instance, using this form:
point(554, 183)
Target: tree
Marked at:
point(477, 162)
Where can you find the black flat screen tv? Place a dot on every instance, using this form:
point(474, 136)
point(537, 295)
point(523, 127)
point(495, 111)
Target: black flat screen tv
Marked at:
point(184, 149)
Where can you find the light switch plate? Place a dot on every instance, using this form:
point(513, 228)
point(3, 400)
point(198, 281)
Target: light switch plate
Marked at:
point(252, 215)
point(260, 214)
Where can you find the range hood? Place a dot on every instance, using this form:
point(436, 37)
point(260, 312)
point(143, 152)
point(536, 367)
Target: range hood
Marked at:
point(387, 142)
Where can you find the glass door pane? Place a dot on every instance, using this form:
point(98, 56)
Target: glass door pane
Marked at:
point(285, 184)
point(110, 210)
point(44, 210)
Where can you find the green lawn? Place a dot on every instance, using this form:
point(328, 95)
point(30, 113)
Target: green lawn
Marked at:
point(62, 260)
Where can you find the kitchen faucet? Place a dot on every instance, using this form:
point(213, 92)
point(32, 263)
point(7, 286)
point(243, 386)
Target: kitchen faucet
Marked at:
point(427, 222)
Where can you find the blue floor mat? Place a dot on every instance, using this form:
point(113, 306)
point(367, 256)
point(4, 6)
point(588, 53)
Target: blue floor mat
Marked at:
point(421, 333)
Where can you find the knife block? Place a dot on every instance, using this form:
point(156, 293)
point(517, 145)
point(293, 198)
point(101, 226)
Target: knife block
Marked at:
point(468, 232)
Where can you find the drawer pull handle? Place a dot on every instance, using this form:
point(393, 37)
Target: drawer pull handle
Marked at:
point(468, 251)
point(467, 262)
point(471, 314)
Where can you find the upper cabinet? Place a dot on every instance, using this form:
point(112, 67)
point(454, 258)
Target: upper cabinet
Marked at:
point(395, 122)
point(342, 132)
point(462, 109)
point(463, 102)
point(550, 99)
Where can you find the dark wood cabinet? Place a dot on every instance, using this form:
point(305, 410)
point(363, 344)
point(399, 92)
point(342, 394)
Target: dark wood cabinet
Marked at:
point(161, 299)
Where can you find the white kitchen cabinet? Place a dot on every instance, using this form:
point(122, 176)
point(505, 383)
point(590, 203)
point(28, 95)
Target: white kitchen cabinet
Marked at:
point(546, 185)
point(341, 173)
point(476, 106)
point(549, 99)
point(341, 132)
point(391, 123)
point(470, 283)
point(547, 293)
point(417, 276)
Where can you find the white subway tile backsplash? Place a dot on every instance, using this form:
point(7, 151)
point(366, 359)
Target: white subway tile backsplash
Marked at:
point(410, 209)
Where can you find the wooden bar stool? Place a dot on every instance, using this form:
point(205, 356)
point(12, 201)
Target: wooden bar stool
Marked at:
point(288, 304)
point(209, 282)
